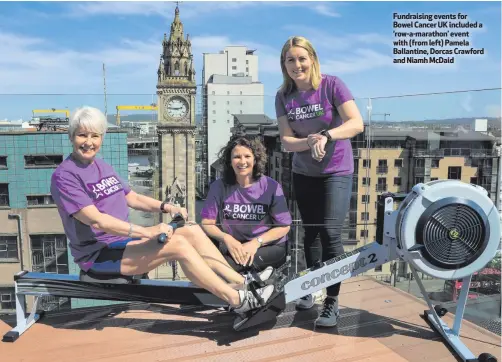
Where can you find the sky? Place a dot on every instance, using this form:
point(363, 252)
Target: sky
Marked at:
point(51, 53)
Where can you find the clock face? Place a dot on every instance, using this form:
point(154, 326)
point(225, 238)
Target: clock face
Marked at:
point(177, 107)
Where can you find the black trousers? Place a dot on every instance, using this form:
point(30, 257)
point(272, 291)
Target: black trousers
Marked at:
point(323, 203)
point(268, 255)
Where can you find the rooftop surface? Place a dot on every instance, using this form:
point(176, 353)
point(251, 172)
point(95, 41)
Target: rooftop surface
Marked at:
point(377, 323)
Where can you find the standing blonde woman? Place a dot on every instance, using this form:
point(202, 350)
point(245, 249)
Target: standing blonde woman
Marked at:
point(317, 117)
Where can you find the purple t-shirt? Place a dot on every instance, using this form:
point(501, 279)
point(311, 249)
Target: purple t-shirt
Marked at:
point(75, 186)
point(246, 213)
point(310, 112)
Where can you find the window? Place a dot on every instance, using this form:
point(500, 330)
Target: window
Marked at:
point(213, 93)
point(234, 60)
point(3, 161)
point(434, 178)
point(241, 101)
point(241, 92)
point(419, 180)
point(34, 200)
point(378, 268)
point(247, 69)
point(365, 216)
point(277, 162)
point(228, 102)
point(247, 61)
point(214, 121)
point(364, 233)
point(382, 166)
point(454, 172)
point(8, 247)
point(4, 194)
point(36, 161)
point(397, 181)
point(49, 253)
point(214, 112)
point(214, 103)
point(234, 67)
point(420, 162)
point(228, 93)
point(228, 111)
point(474, 180)
point(366, 181)
point(277, 175)
point(7, 298)
point(365, 199)
point(366, 163)
point(435, 163)
point(398, 163)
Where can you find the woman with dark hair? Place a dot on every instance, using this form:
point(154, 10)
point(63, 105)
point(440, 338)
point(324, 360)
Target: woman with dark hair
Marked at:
point(246, 211)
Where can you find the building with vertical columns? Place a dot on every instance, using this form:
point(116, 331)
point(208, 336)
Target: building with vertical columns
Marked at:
point(176, 91)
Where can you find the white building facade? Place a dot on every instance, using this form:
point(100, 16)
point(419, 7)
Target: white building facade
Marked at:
point(230, 86)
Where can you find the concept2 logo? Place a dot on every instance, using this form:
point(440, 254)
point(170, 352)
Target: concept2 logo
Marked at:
point(336, 272)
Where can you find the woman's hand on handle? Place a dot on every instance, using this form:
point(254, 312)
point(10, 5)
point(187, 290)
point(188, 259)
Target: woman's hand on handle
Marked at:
point(173, 210)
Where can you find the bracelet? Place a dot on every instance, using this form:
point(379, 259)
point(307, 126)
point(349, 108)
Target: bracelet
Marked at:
point(130, 231)
point(162, 207)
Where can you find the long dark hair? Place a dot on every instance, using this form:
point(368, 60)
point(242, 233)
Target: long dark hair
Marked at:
point(259, 153)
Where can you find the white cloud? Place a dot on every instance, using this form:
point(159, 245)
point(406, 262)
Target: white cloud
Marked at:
point(467, 103)
point(324, 9)
point(153, 8)
point(188, 9)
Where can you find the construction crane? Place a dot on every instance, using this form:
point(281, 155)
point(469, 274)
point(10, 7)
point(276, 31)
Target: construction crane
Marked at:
point(151, 107)
point(53, 110)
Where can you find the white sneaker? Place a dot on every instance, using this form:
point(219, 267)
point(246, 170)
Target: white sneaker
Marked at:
point(249, 301)
point(264, 275)
point(305, 302)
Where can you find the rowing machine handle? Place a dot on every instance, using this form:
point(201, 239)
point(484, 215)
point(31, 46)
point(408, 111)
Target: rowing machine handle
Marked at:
point(162, 238)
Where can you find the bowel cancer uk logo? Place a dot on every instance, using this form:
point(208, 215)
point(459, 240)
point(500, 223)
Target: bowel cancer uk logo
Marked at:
point(306, 112)
point(105, 187)
point(250, 212)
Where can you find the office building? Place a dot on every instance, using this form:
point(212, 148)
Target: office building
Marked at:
point(230, 87)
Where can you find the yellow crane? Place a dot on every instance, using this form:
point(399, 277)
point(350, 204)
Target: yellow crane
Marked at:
point(52, 110)
point(151, 107)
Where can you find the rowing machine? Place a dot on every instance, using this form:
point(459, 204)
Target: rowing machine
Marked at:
point(446, 229)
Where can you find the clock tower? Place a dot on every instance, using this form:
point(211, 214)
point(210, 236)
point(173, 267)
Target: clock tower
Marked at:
point(176, 91)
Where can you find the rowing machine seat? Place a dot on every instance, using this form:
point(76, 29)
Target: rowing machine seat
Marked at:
point(111, 278)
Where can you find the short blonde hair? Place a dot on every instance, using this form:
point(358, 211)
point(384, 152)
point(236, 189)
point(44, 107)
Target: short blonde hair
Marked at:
point(89, 118)
point(288, 84)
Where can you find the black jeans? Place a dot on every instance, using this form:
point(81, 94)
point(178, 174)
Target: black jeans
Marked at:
point(323, 203)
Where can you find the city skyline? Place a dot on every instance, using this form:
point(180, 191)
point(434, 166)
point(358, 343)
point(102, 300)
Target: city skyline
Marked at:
point(354, 41)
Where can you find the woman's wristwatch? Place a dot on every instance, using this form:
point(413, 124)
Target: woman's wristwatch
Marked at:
point(326, 134)
point(162, 207)
point(260, 241)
